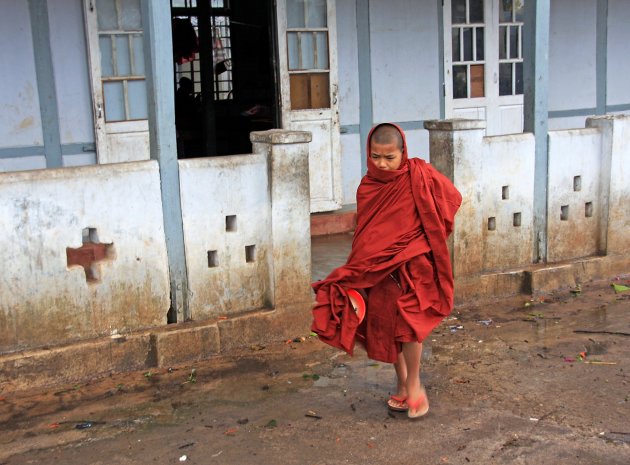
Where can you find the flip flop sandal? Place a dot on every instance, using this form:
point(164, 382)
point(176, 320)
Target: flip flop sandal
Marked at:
point(397, 404)
point(421, 406)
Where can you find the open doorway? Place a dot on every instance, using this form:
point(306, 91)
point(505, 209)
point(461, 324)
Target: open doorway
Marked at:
point(225, 74)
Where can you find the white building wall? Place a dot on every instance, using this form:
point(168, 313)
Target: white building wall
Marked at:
point(20, 121)
point(618, 87)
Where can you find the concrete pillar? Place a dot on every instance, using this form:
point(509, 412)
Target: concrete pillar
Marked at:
point(615, 189)
point(457, 152)
point(290, 260)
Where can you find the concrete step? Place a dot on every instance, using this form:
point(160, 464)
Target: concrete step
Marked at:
point(336, 222)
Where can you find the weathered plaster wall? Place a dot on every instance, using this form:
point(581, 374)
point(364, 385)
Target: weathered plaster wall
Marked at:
point(618, 90)
point(46, 301)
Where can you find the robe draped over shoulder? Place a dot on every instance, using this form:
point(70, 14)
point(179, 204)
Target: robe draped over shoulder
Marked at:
point(403, 216)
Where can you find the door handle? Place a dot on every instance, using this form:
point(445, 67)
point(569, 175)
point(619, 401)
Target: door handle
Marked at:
point(99, 111)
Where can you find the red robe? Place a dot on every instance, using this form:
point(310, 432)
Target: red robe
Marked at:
point(399, 257)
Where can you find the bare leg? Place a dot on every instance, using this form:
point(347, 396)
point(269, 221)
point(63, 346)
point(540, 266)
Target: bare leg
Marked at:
point(412, 352)
point(401, 376)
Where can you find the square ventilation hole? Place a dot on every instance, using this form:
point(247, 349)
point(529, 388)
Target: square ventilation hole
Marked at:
point(250, 253)
point(505, 192)
point(588, 209)
point(492, 223)
point(564, 212)
point(516, 221)
point(213, 259)
point(577, 183)
point(230, 223)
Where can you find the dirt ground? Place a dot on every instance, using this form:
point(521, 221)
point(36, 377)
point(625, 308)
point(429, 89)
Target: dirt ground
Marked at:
point(506, 381)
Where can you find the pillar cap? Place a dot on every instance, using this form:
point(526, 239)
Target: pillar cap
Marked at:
point(456, 124)
point(280, 136)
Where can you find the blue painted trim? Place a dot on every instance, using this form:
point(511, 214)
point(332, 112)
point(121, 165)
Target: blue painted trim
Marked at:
point(621, 107)
point(40, 29)
point(442, 84)
point(158, 50)
point(349, 129)
point(601, 55)
point(366, 116)
point(572, 113)
point(410, 125)
point(38, 150)
point(536, 111)
point(78, 149)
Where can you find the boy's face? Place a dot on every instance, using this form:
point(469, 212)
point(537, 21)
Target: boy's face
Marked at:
point(385, 156)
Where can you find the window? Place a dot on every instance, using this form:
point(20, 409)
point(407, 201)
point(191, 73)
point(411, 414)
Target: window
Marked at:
point(307, 46)
point(511, 47)
point(122, 60)
point(467, 31)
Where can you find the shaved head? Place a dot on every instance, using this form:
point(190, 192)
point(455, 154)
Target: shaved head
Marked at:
point(387, 134)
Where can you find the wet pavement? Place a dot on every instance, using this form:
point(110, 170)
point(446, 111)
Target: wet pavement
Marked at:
point(510, 382)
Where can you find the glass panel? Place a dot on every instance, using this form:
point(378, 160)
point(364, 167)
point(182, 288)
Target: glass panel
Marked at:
point(456, 48)
point(519, 78)
point(476, 81)
point(122, 55)
point(475, 11)
point(316, 13)
point(458, 12)
point(322, 50)
point(130, 17)
point(480, 44)
point(460, 81)
point(107, 64)
point(216, 3)
point(292, 45)
point(137, 95)
point(505, 79)
point(295, 13)
point(307, 50)
point(505, 11)
point(114, 101)
point(106, 14)
point(519, 11)
point(514, 42)
point(502, 42)
point(138, 55)
point(468, 45)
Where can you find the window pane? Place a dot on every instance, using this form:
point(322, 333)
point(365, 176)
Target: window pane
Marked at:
point(322, 50)
point(137, 94)
point(476, 11)
point(456, 48)
point(468, 45)
point(107, 64)
point(138, 55)
point(106, 14)
point(114, 101)
point(460, 81)
point(122, 56)
point(505, 11)
point(519, 10)
point(316, 13)
point(292, 45)
point(295, 13)
point(130, 18)
point(519, 78)
point(502, 42)
point(476, 81)
point(480, 44)
point(505, 79)
point(514, 42)
point(307, 50)
point(458, 11)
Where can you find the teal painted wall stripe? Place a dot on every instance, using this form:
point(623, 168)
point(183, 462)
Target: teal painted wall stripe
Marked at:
point(601, 55)
point(366, 116)
point(38, 150)
point(38, 11)
point(442, 88)
point(158, 49)
point(536, 101)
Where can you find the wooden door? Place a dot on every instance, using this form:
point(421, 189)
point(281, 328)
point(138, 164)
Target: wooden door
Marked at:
point(307, 48)
point(119, 95)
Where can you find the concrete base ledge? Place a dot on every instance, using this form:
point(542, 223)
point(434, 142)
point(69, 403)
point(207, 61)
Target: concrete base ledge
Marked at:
point(156, 348)
point(538, 279)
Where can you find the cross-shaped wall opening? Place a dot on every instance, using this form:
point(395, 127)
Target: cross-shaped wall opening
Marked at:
point(90, 255)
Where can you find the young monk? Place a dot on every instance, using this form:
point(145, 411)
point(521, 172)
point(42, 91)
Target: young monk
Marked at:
point(399, 263)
